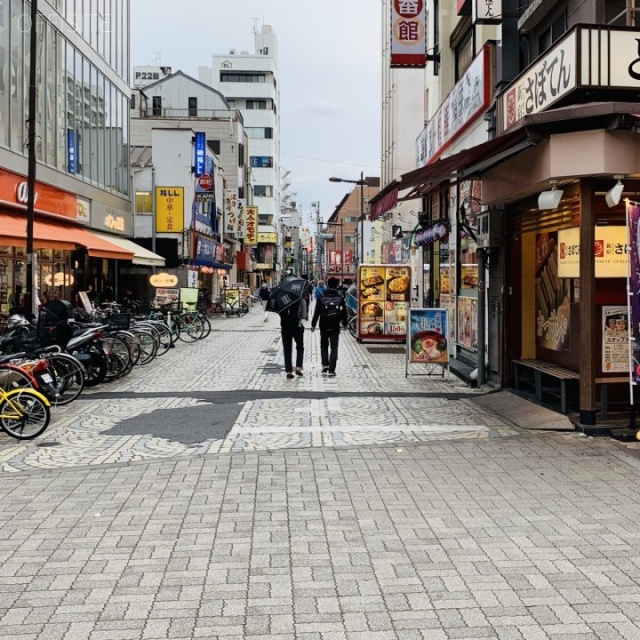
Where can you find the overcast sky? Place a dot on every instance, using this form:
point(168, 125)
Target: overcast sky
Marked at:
point(329, 76)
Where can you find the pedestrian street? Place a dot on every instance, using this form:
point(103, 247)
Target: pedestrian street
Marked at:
point(229, 393)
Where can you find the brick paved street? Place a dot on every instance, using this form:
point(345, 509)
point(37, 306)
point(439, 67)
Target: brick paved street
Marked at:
point(394, 509)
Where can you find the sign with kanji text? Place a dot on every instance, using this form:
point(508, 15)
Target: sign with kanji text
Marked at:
point(487, 11)
point(200, 151)
point(169, 209)
point(251, 226)
point(610, 252)
point(408, 33)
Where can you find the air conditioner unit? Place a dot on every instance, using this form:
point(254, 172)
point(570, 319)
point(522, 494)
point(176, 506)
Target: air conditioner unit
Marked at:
point(489, 228)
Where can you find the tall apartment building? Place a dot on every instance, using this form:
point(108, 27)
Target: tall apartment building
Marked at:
point(521, 168)
point(249, 82)
point(82, 146)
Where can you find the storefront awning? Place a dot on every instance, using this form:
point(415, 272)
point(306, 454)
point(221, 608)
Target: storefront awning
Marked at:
point(48, 234)
point(141, 256)
point(463, 165)
point(13, 233)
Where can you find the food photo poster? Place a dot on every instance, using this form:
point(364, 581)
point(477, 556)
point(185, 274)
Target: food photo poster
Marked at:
point(427, 336)
point(383, 301)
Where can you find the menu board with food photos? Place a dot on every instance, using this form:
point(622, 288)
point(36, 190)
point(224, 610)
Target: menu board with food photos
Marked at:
point(384, 292)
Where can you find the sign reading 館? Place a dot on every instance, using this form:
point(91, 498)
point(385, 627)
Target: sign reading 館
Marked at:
point(408, 34)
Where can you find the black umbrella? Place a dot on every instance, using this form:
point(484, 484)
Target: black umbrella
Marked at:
point(289, 292)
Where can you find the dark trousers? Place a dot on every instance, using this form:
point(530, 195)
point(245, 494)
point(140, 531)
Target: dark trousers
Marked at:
point(329, 339)
point(289, 334)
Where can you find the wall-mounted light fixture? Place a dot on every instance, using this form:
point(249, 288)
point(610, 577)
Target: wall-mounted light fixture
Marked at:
point(612, 198)
point(550, 199)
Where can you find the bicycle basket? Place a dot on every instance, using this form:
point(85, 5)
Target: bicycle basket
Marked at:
point(119, 321)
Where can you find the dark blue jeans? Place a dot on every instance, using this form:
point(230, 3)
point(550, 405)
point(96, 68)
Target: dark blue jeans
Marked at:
point(329, 347)
point(289, 335)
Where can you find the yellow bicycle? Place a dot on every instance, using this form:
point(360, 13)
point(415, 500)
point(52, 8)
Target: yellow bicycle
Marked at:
point(24, 413)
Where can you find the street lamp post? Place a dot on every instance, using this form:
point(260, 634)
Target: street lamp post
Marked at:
point(31, 158)
point(360, 227)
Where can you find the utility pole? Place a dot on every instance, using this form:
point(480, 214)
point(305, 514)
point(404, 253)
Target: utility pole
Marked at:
point(31, 161)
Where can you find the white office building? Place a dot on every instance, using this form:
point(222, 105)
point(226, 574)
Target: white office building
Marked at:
point(249, 82)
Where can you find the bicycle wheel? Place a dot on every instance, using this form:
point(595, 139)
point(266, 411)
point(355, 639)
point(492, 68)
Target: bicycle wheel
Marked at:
point(166, 339)
point(24, 414)
point(239, 308)
point(207, 325)
point(185, 321)
point(148, 345)
point(13, 377)
point(119, 356)
point(68, 377)
point(196, 328)
point(353, 326)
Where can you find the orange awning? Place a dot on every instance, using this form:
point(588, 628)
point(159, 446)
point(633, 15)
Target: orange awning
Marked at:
point(48, 234)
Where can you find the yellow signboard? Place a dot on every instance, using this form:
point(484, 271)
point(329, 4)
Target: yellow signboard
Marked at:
point(268, 237)
point(169, 209)
point(610, 252)
point(251, 227)
point(264, 266)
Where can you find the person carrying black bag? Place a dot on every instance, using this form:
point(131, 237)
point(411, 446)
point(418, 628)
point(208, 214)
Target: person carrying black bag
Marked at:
point(331, 311)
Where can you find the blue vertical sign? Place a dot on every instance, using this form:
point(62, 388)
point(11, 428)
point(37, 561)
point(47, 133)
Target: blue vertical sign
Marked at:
point(71, 151)
point(201, 153)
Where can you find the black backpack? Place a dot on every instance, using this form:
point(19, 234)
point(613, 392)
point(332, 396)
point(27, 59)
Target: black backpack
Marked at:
point(332, 308)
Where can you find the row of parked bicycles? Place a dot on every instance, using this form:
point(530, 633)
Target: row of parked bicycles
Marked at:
point(50, 362)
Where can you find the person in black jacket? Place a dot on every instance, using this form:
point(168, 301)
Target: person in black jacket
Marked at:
point(331, 311)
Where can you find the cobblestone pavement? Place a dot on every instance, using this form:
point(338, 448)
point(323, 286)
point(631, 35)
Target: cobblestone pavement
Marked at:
point(523, 538)
point(240, 363)
point(374, 512)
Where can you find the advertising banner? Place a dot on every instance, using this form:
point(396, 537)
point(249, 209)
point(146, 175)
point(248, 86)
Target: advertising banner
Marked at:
point(615, 339)
point(609, 252)
point(200, 152)
point(166, 296)
point(169, 209)
point(383, 301)
point(633, 285)
point(188, 297)
point(408, 34)
point(242, 221)
point(427, 336)
point(230, 211)
point(251, 226)
point(552, 296)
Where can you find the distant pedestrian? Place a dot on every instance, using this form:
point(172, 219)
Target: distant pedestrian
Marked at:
point(319, 290)
point(331, 311)
point(292, 330)
point(263, 296)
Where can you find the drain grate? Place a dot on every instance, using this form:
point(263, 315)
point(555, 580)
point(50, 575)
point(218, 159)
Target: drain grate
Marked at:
point(386, 349)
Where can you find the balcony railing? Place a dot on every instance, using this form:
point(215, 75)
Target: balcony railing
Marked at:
point(191, 114)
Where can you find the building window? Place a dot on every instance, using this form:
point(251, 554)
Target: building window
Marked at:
point(144, 202)
point(464, 55)
point(259, 132)
point(350, 239)
point(156, 105)
point(242, 77)
point(263, 191)
point(193, 107)
point(256, 104)
point(552, 33)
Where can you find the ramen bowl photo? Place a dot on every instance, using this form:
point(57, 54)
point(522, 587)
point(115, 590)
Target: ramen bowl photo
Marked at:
point(372, 309)
point(430, 346)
